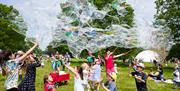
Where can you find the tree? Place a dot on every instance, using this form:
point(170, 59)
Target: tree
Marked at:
point(10, 24)
point(174, 51)
point(168, 11)
point(168, 15)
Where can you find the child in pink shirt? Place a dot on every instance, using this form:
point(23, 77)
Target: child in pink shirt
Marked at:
point(48, 83)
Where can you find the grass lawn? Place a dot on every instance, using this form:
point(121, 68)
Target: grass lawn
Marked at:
point(124, 82)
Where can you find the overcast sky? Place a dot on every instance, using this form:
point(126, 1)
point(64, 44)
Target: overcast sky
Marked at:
point(144, 9)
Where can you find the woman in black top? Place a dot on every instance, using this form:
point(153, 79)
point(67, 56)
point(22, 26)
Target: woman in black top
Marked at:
point(28, 84)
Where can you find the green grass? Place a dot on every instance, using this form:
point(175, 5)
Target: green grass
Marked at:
point(124, 82)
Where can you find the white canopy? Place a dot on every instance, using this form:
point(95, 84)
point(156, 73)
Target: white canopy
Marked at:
point(147, 56)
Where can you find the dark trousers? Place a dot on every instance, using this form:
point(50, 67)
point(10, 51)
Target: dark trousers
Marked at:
point(12, 89)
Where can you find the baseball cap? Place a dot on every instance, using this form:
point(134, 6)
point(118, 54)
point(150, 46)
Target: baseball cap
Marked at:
point(141, 65)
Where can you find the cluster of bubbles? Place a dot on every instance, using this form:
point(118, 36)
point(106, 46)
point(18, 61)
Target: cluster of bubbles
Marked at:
point(83, 35)
point(53, 22)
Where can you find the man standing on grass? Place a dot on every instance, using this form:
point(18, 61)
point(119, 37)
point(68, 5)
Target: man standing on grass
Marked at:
point(140, 78)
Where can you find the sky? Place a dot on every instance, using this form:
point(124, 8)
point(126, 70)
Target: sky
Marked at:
point(144, 9)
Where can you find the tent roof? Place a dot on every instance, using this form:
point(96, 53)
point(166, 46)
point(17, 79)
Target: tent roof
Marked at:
point(147, 56)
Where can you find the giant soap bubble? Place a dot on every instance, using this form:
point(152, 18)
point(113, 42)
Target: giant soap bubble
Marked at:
point(52, 22)
point(84, 36)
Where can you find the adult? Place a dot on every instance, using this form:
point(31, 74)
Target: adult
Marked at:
point(12, 68)
point(140, 78)
point(109, 61)
point(28, 83)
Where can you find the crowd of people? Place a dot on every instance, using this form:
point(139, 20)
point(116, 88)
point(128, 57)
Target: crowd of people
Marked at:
point(87, 76)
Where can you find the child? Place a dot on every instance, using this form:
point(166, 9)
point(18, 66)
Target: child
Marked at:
point(109, 61)
point(78, 77)
point(176, 75)
point(48, 83)
point(86, 74)
point(56, 64)
point(111, 84)
point(96, 70)
point(96, 75)
point(90, 59)
point(140, 78)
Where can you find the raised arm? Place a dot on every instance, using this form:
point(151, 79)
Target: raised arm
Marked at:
point(116, 56)
point(71, 69)
point(28, 52)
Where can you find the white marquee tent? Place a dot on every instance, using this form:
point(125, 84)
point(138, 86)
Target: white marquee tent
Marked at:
point(147, 56)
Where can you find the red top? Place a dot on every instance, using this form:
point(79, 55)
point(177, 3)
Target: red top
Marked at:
point(48, 86)
point(109, 61)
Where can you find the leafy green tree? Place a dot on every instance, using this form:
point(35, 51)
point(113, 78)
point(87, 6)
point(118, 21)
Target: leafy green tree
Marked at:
point(11, 25)
point(174, 51)
point(168, 14)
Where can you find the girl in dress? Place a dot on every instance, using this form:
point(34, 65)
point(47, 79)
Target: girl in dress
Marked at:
point(86, 75)
point(78, 77)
